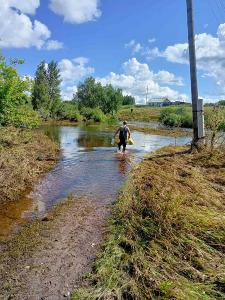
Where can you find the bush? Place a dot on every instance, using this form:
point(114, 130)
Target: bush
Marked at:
point(176, 117)
point(44, 113)
point(93, 114)
point(112, 120)
point(215, 123)
point(22, 116)
point(69, 111)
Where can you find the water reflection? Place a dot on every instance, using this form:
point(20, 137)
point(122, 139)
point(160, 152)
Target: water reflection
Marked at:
point(89, 140)
point(53, 132)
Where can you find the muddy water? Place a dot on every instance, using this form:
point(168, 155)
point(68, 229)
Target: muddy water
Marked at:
point(89, 166)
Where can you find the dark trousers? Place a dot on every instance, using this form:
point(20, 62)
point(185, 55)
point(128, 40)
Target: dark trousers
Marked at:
point(123, 143)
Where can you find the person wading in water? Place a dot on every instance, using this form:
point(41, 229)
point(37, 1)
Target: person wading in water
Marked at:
point(124, 135)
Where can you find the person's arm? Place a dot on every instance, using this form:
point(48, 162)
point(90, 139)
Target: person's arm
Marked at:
point(117, 132)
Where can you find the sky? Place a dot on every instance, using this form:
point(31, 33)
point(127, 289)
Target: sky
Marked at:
point(131, 44)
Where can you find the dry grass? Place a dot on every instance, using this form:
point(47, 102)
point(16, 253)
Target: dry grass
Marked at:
point(24, 155)
point(167, 235)
point(165, 132)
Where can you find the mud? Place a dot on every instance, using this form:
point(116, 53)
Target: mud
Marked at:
point(69, 246)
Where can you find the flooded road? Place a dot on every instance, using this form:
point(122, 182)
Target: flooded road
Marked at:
point(89, 166)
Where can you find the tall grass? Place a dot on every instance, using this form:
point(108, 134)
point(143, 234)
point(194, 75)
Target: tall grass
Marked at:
point(166, 237)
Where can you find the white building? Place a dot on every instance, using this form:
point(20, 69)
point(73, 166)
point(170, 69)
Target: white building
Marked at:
point(159, 102)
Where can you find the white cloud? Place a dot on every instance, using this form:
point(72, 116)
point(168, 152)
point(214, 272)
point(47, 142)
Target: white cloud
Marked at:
point(68, 92)
point(165, 77)
point(17, 29)
point(26, 7)
point(210, 55)
point(135, 47)
point(53, 45)
point(137, 76)
point(76, 11)
point(152, 40)
point(72, 71)
point(75, 69)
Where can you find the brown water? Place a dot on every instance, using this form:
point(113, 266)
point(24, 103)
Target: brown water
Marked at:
point(89, 166)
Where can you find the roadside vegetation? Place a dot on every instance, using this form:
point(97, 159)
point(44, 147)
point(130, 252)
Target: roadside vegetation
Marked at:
point(166, 236)
point(176, 116)
point(24, 156)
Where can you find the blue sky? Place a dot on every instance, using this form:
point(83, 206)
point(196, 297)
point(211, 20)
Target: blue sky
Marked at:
point(129, 43)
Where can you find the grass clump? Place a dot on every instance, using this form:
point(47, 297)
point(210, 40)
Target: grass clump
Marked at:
point(24, 155)
point(167, 236)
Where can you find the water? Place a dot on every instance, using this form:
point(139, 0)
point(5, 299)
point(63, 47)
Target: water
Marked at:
point(89, 166)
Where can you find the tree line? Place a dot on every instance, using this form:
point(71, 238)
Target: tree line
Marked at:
point(25, 101)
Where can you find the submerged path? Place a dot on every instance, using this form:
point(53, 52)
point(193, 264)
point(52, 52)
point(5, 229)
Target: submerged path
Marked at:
point(70, 241)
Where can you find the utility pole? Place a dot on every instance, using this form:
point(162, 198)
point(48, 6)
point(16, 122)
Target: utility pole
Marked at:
point(146, 101)
point(197, 104)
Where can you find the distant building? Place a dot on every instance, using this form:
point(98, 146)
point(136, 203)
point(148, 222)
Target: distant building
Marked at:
point(179, 102)
point(159, 102)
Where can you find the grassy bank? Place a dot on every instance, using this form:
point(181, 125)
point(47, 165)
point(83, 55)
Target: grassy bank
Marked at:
point(166, 237)
point(164, 132)
point(24, 156)
point(139, 113)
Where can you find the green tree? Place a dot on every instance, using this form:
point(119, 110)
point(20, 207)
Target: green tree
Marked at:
point(112, 100)
point(128, 100)
point(89, 94)
point(54, 82)
point(46, 90)
point(93, 95)
point(15, 108)
point(221, 103)
point(40, 93)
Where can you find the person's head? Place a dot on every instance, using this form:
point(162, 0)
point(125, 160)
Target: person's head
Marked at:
point(124, 122)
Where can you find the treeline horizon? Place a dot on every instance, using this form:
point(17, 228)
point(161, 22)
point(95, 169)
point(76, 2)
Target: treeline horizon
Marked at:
point(25, 102)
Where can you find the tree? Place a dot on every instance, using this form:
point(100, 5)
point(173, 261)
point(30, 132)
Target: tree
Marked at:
point(221, 103)
point(113, 99)
point(128, 100)
point(40, 93)
point(15, 107)
point(89, 93)
point(54, 82)
point(93, 95)
point(46, 90)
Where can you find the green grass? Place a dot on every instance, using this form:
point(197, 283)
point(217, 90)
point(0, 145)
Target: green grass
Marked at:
point(166, 236)
point(140, 113)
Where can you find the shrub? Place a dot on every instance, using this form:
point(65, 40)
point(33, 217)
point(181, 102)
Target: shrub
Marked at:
point(176, 116)
point(93, 114)
point(112, 120)
point(69, 111)
point(44, 113)
point(215, 122)
point(22, 116)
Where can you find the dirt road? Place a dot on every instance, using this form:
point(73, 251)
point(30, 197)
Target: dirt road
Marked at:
point(70, 240)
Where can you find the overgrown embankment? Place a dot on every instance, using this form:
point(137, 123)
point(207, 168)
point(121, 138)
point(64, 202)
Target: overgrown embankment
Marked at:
point(167, 236)
point(24, 155)
point(139, 113)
